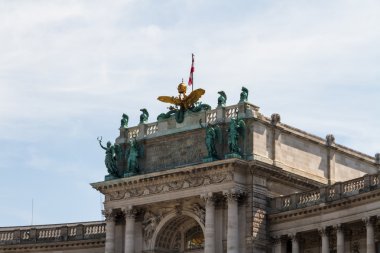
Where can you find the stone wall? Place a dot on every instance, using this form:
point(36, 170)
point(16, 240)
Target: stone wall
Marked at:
point(168, 144)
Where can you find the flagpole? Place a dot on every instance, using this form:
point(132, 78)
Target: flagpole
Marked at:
point(192, 76)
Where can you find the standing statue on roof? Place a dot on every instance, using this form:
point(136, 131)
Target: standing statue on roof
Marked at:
point(124, 121)
point(243, 95)
point(222, 99)
point(236, 129)
point(132, 154)
point(144, 116)
point(213, 135)
point(113, 155)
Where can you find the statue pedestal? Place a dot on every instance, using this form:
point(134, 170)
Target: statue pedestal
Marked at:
point(129, 174)
point(109, 177)
point(232, 155)
point(209, 159)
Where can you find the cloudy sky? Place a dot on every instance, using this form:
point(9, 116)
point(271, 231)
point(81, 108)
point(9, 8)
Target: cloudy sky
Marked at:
point(69, 69)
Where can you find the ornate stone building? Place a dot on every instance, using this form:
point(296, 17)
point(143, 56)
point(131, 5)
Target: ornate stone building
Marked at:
point(223, 180)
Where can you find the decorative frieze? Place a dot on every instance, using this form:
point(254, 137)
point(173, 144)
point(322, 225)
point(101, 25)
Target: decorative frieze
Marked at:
point(174, 184)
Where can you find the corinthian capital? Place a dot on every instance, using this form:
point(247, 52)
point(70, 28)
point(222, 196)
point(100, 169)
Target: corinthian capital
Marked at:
point(108, 214)
point(129, 212)
point(209, 198)
point(234, 195)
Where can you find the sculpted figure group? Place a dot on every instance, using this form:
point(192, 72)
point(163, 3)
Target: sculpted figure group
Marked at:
point(118, 155)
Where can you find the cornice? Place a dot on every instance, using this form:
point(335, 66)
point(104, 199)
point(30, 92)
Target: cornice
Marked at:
point(171, 180)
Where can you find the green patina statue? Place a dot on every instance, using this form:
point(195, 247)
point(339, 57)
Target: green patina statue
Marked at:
point(236, 129)
point(222, 99)
point(132, 154)
point(213, 135)
point(243, 95)
point(113, 154)
point(144, 116)
point(124, 121)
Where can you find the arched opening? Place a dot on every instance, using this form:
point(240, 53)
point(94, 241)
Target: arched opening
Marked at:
point(180, 234)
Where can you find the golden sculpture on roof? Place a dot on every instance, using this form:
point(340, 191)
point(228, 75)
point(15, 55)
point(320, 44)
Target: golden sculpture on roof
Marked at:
point(183, 103)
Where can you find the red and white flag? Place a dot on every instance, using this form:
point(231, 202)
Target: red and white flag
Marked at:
point(191, 80)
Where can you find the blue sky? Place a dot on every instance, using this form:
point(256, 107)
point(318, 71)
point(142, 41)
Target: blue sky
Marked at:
point(69, 69)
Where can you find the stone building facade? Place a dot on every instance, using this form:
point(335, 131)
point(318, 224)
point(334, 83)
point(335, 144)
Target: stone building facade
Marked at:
point(286, 191)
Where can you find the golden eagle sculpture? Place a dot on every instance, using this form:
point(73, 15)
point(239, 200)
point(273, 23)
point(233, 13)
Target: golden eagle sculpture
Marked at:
point(183, 103)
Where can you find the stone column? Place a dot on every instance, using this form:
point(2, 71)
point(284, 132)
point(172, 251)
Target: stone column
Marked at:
point(370, 234)
point(295, 244)
point(278, 245)
point(339, 238)
point(209, 223)
point(232, 222)
point(129, 243)
point(110, 231)
point(325, 240)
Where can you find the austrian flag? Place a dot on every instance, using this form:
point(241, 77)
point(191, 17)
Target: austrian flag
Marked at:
point(191, 80)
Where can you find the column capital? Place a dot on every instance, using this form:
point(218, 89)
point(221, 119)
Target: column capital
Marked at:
point(234, 194)
point(129, 212)
point(293, 236)
point(108, 214)
point(368, 221)
point(209, 198)
point(338, 227)
point(276, 239)
point(323, 231)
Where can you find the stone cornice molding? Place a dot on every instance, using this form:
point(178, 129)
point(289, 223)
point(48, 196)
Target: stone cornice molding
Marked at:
point(172, 180)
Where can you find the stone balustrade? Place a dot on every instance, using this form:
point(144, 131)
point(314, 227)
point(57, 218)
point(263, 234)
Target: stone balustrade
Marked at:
point(217, 115)
point(52, 233)
point(326, 194)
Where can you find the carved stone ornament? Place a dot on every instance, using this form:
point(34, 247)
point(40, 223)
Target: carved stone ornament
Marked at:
point(150, 222)
point(275, 118)
point(377, 158)
point(234, 195)
point(130, 212)
point(108, 214)
point(330, 139)
point(174, 185)
point(199, 211)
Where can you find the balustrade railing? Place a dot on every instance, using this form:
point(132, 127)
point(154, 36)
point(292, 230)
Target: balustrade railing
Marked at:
point(48, 233)
point(326, 194)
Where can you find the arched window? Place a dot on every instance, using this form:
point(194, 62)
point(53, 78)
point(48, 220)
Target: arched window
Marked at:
point(194, 238)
